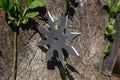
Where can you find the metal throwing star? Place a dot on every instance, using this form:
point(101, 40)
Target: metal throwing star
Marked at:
point(56, 39)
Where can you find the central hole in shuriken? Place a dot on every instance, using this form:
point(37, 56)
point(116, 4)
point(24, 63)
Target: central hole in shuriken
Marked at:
point(56, 39)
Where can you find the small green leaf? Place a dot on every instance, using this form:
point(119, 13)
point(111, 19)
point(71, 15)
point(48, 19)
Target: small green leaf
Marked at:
point(19, 20)
point(11, 5)
point(110, 28)
point(110, 33)
point(11, 18)
point(48, 27)
point(107, 49)
point(65, 66)
point(106, 33)
point(108, 6)
point(118, 4)
point(19, 7)
point(4, 4)
point(113, 32)
point(25, 21)
point(36, 3)
point(113, 11)
point(28, 2)
point(11, 8)
point(9, 22)
point(11, 12)
point(31, 15)
point(112, 21)
point(56, 26)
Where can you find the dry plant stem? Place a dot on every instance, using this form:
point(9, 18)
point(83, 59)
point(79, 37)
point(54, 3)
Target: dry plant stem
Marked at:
point(14, 55)
point(101, 61)
point(101, 64)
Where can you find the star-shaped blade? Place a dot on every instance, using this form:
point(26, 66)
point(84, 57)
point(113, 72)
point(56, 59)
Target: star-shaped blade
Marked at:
point(56, 39)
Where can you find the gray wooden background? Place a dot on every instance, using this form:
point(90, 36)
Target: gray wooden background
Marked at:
point(87, 17)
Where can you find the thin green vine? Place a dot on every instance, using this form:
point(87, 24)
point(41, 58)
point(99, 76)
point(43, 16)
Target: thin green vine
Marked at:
point(65, 70)
point(105, 52)
point(110, 31)
point(100, 68)
point(17, 16)
point(65, 62)
point(65, 7)
point(15, 55)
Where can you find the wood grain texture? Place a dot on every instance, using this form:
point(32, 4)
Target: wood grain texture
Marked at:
point(111, 58)
point(86, 16)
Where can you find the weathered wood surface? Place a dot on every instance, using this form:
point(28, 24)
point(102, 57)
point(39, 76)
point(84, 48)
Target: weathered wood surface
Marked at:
point(117, 64)
point(86, 16)
point(111, 59)
point(116, 70)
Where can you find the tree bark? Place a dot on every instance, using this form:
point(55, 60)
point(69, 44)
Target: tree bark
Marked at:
point(87, 17)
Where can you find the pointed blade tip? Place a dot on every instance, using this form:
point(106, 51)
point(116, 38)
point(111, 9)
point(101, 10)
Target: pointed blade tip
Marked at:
point(77, 33)
point(50, 17)
point(75, 51)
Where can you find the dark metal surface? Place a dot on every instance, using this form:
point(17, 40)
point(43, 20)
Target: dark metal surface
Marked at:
point(56, 39)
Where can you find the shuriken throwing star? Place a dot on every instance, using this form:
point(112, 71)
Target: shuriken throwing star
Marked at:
point(56, 39)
